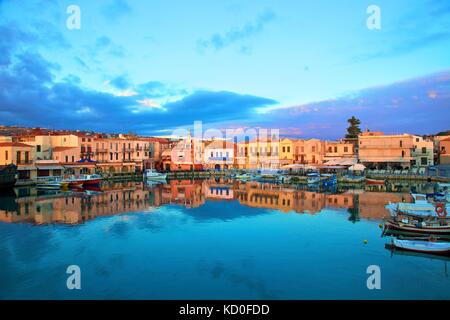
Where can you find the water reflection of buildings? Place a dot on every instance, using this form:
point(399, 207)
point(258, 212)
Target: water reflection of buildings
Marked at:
point(284, 199)
point(78, 207)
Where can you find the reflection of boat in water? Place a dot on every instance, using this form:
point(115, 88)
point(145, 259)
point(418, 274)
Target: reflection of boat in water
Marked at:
point(422, 246)
point(8, 176)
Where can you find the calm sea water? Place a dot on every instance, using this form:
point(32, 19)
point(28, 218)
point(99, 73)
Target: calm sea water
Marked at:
point(207, 240)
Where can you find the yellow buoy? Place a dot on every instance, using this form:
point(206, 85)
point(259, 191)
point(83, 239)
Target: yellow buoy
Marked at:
point(365, 241)
point(380, 225)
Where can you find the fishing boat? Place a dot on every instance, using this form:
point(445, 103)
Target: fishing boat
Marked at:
point(151, 174)
point(375, 182)
point(421, 206)
point(51, 183)
point(423, 246)
point(329, 180)
point(313, 178)
point(244, 177)
point(89, 179)
point(352, 179)
point(8, 176)
point(73, 181)
point(424, 227)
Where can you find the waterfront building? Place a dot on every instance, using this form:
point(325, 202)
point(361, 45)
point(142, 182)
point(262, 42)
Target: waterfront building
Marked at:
point(20, 154)
point(444, 151)
point(422, 152)
point(377, 150)
point(287, 151)
point(310, 151)
point(219, 155)
point(337, 150)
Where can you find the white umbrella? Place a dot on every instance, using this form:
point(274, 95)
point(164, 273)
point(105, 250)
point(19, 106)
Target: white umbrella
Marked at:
point(357, 167)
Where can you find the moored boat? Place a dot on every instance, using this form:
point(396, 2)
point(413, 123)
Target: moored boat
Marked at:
point(424, 227)
point(8, 176)
point(51, 183)
point(151, 174)
point(375, 182)
point(423, 246)
point(313, 178)
point(89, 179)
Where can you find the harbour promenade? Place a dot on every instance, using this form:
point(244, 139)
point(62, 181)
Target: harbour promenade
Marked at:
point(41, 153)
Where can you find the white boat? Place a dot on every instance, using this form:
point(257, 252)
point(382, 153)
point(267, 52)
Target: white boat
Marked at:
point(313, 178)
point(151, 174)
point(51, 183)
point(423, 246)
point(245, 176)
point(420, 207)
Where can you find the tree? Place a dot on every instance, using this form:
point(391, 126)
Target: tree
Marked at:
point(353, 130)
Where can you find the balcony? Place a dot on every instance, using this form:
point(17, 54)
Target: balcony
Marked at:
point(101, 150)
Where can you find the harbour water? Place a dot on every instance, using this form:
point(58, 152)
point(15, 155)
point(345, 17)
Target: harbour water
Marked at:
point(209, 239)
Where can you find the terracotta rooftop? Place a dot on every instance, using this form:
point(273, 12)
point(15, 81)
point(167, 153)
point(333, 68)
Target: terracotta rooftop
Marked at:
point(59, 149)
point(14, 144)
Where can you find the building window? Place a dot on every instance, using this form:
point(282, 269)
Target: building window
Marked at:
point(38, 148)
point(73, 158)
point(18, 157)
point(6, 155)
point(423, 161)
point(335, 149)
point(67, 158)
point(313, 149)
point(424, 150)
point(403, 153)
point(401, 144)
point(345, 149)
point(27, 156)
point(288, 149)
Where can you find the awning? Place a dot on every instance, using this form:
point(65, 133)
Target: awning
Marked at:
point(357, 167)
point(20, 168)
point(50, 168)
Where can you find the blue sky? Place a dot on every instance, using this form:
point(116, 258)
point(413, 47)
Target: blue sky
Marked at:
point(151, 66)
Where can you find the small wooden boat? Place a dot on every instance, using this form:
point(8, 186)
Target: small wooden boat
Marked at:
point(442, 248)
point(90, 179)
point(375, 182)
point(424, 227)
point(7, 176)
point(52, 184)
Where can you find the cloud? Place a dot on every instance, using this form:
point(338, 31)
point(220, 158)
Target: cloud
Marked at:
point(121, 82)
point(30, 95)
point(116, 10)
point(219, 41)
point(419, 105)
